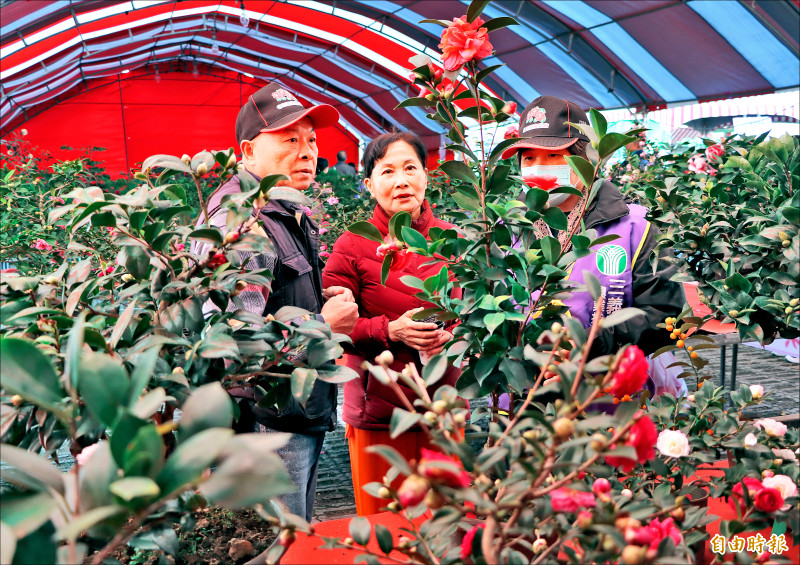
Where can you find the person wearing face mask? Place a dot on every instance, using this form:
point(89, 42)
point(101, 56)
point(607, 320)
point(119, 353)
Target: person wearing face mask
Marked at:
point(395, 175)
point(623, 266)
point(277, 134)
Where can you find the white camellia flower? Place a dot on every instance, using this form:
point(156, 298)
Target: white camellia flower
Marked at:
point(773, 428)
point(673, 443)
point(785, 454)
point(757, 391)
point(750, 440)
point(785, 485)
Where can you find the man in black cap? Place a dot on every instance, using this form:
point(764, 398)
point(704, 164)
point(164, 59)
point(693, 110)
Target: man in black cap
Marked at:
point(623, 266)
point(277, 135)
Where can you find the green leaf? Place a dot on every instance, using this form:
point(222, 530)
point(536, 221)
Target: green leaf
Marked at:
point(476, 8)
point(391, 456)
point(321, 352)
point(435, 369)
point(582, 168)
point(598, 123)
point(499, 23)
point(385, 267)
point(515, 374)
point(443, 23)
point(302, 381)
point(397, 222)
point(738, 282)
point(413, 238)
point(209, 406)
point(26, 371)
point(37, 471)
point(360, 530)
point(401, 421)
point(167, 161)
point(209, 235)
point(288, 194)
point(493, 320)
point(137, 262)
point(122, 324)
point(143, 371)
point(555, 218)
point(421, 101)
point(131, 488)
point(161, 538)
point(191, 458)
point(95, 476)
point(384, 537)
point(610, 142)
point(459, 170)
point(621, 316)
point(144, 454)
point(551, 249)
point(592, 285)
point(103, 385)
point(367, 230)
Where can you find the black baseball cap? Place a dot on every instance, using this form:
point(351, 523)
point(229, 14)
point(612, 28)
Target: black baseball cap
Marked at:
point(274, 107)
point(544, 122)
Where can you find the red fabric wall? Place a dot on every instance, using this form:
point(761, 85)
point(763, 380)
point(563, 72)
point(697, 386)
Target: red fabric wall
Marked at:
point(136, 117)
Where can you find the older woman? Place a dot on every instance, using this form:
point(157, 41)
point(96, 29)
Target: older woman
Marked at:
point(396, 177)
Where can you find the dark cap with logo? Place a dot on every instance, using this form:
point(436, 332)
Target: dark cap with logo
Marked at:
point(274, 107)
point(544, 121)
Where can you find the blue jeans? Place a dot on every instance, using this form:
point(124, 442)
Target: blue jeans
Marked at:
point(301, 457)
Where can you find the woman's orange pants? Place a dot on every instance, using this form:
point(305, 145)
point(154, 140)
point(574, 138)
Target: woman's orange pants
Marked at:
point(370, 467)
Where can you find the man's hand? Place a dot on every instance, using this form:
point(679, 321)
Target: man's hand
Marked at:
point(340, 314)
point(419, 335)
point(332, 291)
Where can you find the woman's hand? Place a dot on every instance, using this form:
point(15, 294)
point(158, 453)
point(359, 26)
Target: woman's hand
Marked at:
point(419, 335)
point(444, 338)
point(331, 291)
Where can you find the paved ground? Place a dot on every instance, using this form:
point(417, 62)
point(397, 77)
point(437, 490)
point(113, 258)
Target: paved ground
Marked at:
point(780, 379)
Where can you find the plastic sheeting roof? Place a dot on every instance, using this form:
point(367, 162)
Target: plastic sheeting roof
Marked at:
point(353, 53)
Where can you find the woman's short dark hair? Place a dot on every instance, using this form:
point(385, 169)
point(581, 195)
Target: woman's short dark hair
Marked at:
point(377, 148)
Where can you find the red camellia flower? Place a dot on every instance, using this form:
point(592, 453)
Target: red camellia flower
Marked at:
point(570, 500)
point(631, 372)
point(443, 469)
point(545, 183)
point(400, 260)
point(412, 491)
point(737, 497)
point(466, 543)
point(463, 42)
point(714, 152)
point(653, 534)
point(768, 500)
point(513, 131)
point(642, 437)
point(601, 487)
point(217, 260)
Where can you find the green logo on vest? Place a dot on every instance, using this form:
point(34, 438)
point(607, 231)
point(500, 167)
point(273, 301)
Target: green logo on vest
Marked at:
point(612, 260)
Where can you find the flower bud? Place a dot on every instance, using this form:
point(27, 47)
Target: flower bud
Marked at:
point(186, 159)
point(127, 277)
point(429, 417)
point(530, 435)
point(563, 428)
point(231, 237)
point(783, 235)
point(679, 514)
point(16, 400)
point(434, 500)
point(584, 519)
point(286, 538)
point(539, 545)
point(509, 108)
point(393, 506)
point(609, 544)
point(384, 492)
point(626, 493)
point(347, 541)
point(178, 370)
point(786, 243)
point(556, 328)
point(385, 359)
point(413, 490)
point(633, 555)
point(733, 313)
point(202, 169)
point(598, 443)
point(601, 487)
point(777, 462)
point(690, 398)
point(788, 310)
point(766, 474)
point(403, 543)
point(231, 162)
point(794, 302)
point(52, 280)
point(440, 407)
point(460, 419)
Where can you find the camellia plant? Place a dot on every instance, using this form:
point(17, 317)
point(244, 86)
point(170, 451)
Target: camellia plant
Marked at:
point(128, 369)
point(601, 474)
point(731, 211)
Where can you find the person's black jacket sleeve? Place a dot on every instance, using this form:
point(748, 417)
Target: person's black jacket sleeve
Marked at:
point(655, 294)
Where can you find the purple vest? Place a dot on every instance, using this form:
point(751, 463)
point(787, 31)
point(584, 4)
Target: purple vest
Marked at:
point(612, 264)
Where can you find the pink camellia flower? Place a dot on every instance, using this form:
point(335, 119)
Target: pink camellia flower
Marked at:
point(750, 440)
point(509, 107)
point(714, 152)
point(737, 496)
point(442, 468)
point(768, 500)
point(466, 543)
point(83, 457)
point(180, 246)
point(513, 131)
point(698, 164)
point(463, 42)
point(307, 210)
point(332, 200)
point(785, 454)
point(412, 491)
point(42, 245)
point(773, 428)
point(57, 199)
point(653, 534)
point(570, 500)
point(631, 373)
point(673, 443)
point(323, 231)
point(324, 254)
point(642, 437)
point(757, 391)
